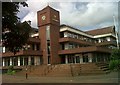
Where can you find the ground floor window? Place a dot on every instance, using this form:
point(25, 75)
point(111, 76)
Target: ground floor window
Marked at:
point(32, 60)
point(85, 58)
point(26, 61)
point(77, 59)
point(62, 59)
point(71, 59)
point(94, 59)
point(7, 61)
point(41, 60)
point(21, 61)
point(15, 61)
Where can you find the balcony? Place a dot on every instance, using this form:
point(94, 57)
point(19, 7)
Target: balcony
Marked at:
point(75, 40)
point(106, 43)
point(23, 53)
point(84, 50)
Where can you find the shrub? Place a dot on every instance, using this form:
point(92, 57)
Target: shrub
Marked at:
point(114, 65)
point(10, 70)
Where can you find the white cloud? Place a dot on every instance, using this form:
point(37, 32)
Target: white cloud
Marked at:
point(76, 14)
point(99, 12)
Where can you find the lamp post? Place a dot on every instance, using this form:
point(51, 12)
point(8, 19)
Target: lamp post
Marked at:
point(26, 74)
point(26, 47)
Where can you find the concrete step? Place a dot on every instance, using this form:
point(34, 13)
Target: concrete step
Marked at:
point(65, 70)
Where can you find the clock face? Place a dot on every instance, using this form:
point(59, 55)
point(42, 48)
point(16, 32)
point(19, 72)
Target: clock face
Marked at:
point(43, 17)
point(55, 18)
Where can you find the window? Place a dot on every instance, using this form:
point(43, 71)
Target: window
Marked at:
point(85, 58)
point(108, 38)
point(77, 59)
point(61, 35)
point(48, 32)
point(70, 35)
point(66, 46)
point(48, 48)
point(33, 46)
point(65, 34)
point(70, 45)
point(38, 46)
point(21, 61)
point(32, 60)
point(0, 49)
point(63, 46)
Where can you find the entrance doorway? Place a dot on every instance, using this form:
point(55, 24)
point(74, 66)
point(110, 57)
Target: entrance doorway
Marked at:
point(71, 59)
point(85, 58)
point(77, 59)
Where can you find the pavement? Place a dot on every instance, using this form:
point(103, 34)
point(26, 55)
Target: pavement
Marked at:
point(103, 78)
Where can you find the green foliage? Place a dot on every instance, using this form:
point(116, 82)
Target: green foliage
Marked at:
point(10, 70)
point(11, 67)
point(114, 65)
point(115, 54)
point(9, 14)
point(18, 32)
point(115, 60)
point(16, 39)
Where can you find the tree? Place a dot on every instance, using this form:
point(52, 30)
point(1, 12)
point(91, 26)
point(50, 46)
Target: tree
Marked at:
point(115, 60)
point(115, 54)
point(14, 33)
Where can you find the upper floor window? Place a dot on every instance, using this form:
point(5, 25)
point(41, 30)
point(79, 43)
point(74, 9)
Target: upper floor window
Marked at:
point(65, 34)
point(61, 34)
point(35, 46)
point(38, 46)
point(48, 32)
point(108, 38)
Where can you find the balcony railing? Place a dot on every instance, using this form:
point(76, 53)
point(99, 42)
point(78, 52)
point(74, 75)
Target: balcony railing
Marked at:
point(36, 40)
point(76, 41)
point(107, 43)
point(23, 52)
point(85, 49)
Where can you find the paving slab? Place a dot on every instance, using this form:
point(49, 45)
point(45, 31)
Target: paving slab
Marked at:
point(103, 78)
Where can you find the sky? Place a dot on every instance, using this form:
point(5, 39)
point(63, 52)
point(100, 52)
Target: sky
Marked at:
point(84, 15)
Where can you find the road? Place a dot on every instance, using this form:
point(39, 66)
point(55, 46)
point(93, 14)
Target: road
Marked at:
point(104, 78)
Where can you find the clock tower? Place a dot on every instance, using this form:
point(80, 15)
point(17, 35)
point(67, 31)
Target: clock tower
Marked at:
point(49, 27)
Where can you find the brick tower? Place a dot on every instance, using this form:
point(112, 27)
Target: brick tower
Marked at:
point(49, 26)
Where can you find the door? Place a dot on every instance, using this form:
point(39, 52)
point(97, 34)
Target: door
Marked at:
point(85, 58)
